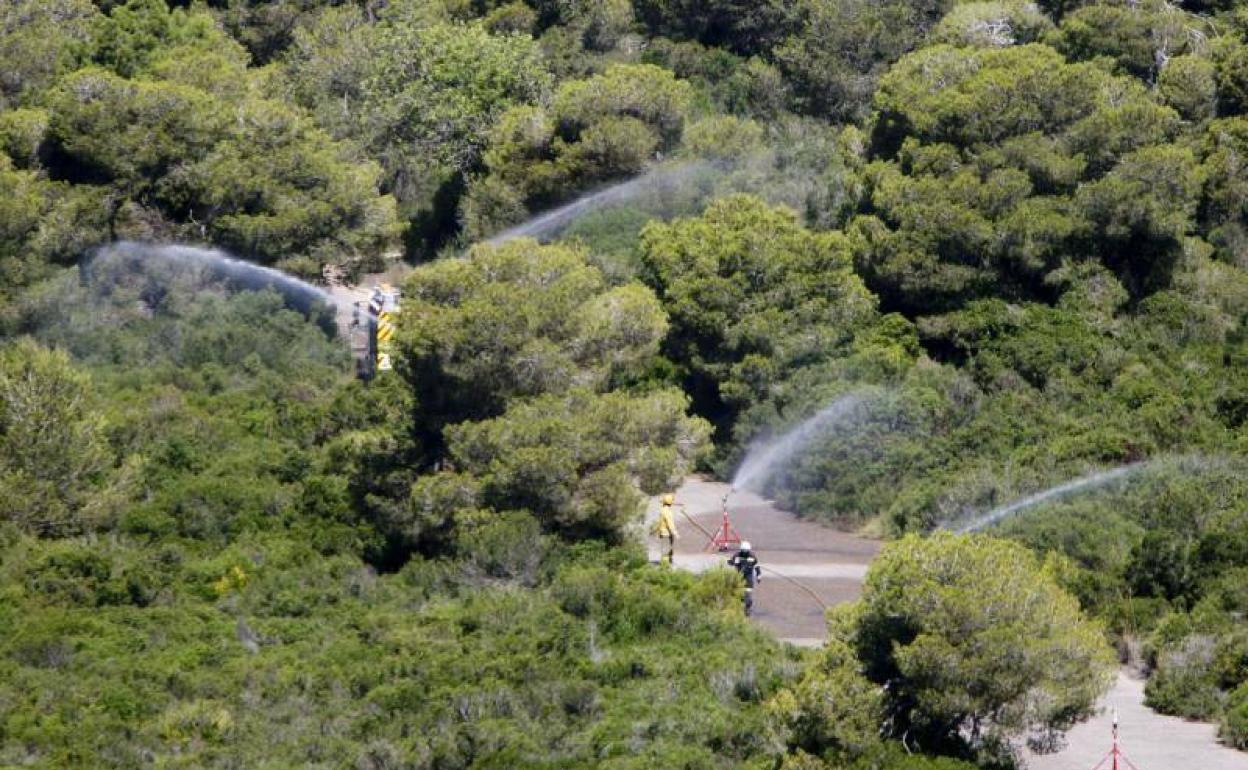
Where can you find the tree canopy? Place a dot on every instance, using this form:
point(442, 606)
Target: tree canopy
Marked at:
point(518, 320)
point(1012, 236)
point(975, 643)
point(751, 294)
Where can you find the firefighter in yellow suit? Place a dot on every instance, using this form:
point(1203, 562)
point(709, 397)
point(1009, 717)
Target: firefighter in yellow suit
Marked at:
point(665, 528)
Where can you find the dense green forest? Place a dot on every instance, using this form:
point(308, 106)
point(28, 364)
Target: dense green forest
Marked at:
point(1015, 233)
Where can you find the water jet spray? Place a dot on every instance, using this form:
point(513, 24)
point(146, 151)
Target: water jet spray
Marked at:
point(300, 294)
point(764, 458)
point(547, 225)
point(1062, 490)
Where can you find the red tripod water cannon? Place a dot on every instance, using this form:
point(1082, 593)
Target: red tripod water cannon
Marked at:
point(1115, 759)
point(726, 537)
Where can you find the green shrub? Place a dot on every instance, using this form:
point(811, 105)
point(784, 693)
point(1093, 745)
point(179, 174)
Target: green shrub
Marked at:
point(1183, 683)
point(1233, 729)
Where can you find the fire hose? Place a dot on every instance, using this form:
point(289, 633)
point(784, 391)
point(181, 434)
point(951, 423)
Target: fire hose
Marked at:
point(809, 591)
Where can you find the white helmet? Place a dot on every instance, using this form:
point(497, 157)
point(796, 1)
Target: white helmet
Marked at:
point(745, 545)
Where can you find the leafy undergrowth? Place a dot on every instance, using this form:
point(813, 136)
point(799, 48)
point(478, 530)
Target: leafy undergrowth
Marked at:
point(269, 654)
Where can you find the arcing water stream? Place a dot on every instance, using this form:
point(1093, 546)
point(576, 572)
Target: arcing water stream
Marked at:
point(762, 460)
point(136, 256)
point(546, 226)
point(1093, 481)
point(765, 459)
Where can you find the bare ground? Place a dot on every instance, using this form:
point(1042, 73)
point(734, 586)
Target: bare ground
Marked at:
point(815, 559)
point(1148, 739)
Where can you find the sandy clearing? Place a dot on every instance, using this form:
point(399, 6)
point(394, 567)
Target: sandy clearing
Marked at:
point(828, 563)
point(1148, 739)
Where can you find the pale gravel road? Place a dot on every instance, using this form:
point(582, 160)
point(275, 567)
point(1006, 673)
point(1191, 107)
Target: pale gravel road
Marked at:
point(1148, 739)
point(829, 563)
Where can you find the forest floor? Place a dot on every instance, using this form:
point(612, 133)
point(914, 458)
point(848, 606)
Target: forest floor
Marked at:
point(832, 564)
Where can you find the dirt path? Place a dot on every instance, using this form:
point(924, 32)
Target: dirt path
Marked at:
point(829, 563)
point(1151, 741)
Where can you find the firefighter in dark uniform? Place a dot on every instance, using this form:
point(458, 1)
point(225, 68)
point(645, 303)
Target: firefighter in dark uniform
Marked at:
point(746, 564)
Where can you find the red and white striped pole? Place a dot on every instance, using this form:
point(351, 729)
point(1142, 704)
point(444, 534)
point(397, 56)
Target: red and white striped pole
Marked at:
point(1115, 749)
point(1116, 759)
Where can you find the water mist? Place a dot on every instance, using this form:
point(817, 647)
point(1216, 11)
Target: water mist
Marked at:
point(764, 459)
point(1092, 481)
point(301, 295)
point(548, 225)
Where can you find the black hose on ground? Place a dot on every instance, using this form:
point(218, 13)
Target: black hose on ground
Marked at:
point(773, 571)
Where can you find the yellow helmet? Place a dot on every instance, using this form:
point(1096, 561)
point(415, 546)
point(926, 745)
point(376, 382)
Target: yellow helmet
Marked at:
point(668, 499)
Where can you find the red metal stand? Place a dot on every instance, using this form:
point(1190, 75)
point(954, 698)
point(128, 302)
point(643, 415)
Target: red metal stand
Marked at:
point(726, 536)
point(1115, 758)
